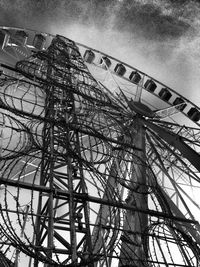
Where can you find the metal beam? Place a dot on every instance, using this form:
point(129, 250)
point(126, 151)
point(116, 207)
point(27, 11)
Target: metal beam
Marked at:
point(177, 142)
point(85, 197)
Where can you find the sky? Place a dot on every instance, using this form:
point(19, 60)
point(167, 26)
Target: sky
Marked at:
point(159, 37)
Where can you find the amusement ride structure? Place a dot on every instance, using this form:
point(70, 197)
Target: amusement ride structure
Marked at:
point(99, 161)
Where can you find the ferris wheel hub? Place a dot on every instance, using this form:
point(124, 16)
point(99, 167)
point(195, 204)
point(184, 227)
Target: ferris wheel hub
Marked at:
point(141, 109)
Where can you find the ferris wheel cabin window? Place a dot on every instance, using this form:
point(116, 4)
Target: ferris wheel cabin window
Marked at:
point(194, 114)
point(165, 94)
point(89, 56)
point(106, 61)
point(135, 77)
point(150, 85)
point(39, 41)
point(180, 103)
point(20, 38)
point(120, 69)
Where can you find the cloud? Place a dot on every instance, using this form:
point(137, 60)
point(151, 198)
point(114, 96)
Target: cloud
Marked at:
point(152, 19)
point(149, 20)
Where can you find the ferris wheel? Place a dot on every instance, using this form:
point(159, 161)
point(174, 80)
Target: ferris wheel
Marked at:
point(99, 161)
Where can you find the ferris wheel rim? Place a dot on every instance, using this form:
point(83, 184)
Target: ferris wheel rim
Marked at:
point(174, 92)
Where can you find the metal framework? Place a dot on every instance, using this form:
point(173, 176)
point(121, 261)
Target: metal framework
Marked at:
point(85, 174)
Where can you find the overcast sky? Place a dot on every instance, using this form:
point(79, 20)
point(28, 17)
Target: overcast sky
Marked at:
point(160, 37)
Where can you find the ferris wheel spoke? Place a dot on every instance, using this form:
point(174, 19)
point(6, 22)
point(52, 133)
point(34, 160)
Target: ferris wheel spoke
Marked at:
point(173, 140)
point(106, 215)
point(178, 190)
point(171, 158)
point(177, 212)
point(182, 198)
point(193, 230)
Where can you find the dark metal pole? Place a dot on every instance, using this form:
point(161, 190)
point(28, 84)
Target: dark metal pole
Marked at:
point(132, 250)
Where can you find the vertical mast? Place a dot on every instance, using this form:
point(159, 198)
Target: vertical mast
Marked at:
point(132, 251)
point(62, 224)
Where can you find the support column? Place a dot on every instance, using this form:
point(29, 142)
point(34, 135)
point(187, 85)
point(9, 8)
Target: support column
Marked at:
point(132, 251)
